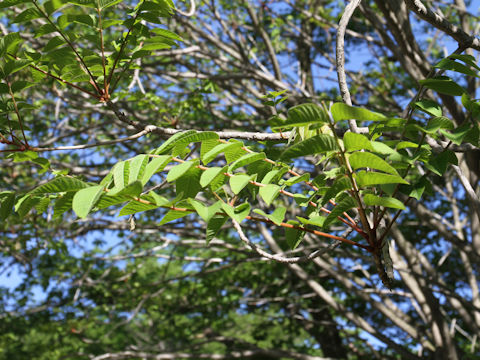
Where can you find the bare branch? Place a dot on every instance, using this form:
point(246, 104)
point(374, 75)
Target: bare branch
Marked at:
point(342, 78)
point(464, 40)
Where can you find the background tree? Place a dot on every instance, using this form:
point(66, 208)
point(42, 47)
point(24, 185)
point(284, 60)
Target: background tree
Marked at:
point(96, 97)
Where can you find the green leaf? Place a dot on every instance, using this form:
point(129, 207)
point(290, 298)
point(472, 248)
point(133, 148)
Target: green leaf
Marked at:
point(338, 186)
point(314, 220)
point(20, 85)
point(353, 142)
point(54, 43)
point(173, 215)
point(44, 30)
point(179, 170)
point(205, 212)
point(214, 226)
point(341, 111)
point(276, 217)
point(27, 15)
point(375, 178)
point(269, 192)
point(471, 105)
point(458, 135)
point(210, 174)
point(440, 162)
point(245, 160)
point(374, 200)
point(51, 6)
point(467, 59)
point(63, 204)
point(293, 236)
point(189, 183)
point(430, 107)
point(213, 153)
point(238, 182)
point(343, 206)
point(155, 165)
point(297, 179)
point(60, 184)
point(7, 201)
point(367, 160)
point(167, 34)
point(107, 200)
point(318, 144)
point(305, 114)
point(406, 144)
point(107, 3)
point(9, 42)
point(84, 3)
point(107, 180)
point(85, 199)
point(443, 85)
point(418, 188)
point(25, 204)
point(238, 213)
point(381, 148)
point(180, 144)
point(8, 3)
point(437, 123)
point(233, 153)
point(158, 43)
point(135, 206)
point(42, 205)
point(170, 143)
point(137, 167)
point(448, 64)
point(274, 175)
point(132, 189)
point(12, 66)
point(120, 174)
point(206, 146)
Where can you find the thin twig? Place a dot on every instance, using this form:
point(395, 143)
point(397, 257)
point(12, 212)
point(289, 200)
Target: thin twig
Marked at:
point(148, 129)
point(279, 258)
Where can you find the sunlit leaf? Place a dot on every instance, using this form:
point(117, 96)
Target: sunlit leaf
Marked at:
point(238, 213)
point(305, 114)
point(368, 160)
point(7, 201)
point(353, 141)
point(179, 170)
point(245, 160)
point(370, 178)
point(318, 144)
point(85, 199)
point(430, 107)
point(293, 235)
point(60, 184)
point(346, 204)
point(213, 153)
point(269, 192)
point(238, 182)
point(206, 212)
point(214, 226)
point(341, 111)
point(277, 216)
point(443, 85)
point(374, 200)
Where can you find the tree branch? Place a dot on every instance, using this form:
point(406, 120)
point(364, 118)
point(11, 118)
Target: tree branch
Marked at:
point(342, 78)
point(463, 39)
